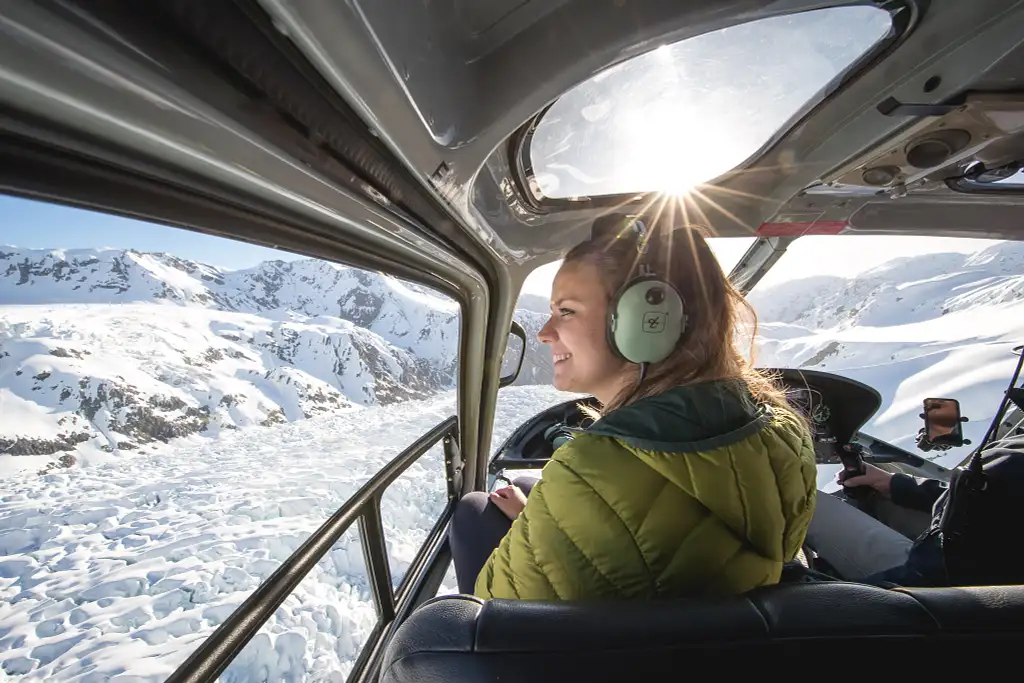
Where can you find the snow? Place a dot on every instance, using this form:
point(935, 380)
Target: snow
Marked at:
point(935, 325)
point(116, 568)
point(117, 572)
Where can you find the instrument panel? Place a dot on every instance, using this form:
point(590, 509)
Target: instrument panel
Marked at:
point(813, 406)
point(836, 407)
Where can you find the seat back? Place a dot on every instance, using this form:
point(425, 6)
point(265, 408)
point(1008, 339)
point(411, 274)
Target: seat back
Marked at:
point(840, 626)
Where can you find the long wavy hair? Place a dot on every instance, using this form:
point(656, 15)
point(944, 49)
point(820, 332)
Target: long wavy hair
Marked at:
point(710, 346)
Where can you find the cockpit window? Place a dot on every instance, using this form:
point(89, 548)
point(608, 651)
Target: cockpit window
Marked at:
point(688, 112)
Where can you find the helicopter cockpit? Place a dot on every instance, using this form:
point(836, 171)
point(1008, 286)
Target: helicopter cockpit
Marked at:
point(459, 147)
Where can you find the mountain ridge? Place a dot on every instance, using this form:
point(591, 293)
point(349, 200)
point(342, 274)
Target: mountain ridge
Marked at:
point(117, 348)
point(936, 324)
point(109, 350)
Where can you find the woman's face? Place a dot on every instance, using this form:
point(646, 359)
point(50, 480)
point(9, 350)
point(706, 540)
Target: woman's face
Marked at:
point(584, 363)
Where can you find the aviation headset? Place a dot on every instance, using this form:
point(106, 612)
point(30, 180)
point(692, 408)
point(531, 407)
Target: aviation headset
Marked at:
point(646, 316)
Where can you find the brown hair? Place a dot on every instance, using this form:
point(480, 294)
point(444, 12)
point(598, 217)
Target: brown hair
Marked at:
point(708, 349)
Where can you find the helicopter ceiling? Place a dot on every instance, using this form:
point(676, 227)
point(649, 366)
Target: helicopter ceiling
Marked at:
point(908, 137)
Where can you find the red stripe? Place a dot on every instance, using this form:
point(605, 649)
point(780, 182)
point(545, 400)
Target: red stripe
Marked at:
point(799, 229)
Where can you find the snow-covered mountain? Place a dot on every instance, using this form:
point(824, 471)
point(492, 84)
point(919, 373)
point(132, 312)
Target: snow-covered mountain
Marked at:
point(108, 350)
point(535, 303)
point(116, 572)
point(111, 349)
point(940, 324)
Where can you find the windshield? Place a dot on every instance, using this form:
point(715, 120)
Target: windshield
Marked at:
point(688, 112)
point(912, 317)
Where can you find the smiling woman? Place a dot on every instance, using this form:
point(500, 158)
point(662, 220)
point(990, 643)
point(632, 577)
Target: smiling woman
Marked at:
point(669, 380)
point(688, 112)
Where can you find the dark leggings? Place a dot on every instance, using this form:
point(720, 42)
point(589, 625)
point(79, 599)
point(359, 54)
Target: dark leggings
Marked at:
point(476, 530)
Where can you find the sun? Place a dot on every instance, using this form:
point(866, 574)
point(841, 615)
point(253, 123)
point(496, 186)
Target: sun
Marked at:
point(671, 146)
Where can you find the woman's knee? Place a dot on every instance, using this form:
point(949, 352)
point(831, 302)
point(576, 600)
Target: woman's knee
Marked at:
point(470, 505)
point(468, 511)
point(476, 518)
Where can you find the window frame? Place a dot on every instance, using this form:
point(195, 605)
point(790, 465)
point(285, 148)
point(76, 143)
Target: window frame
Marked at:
point(392, 604)
point(278, 196)
point(91, 182)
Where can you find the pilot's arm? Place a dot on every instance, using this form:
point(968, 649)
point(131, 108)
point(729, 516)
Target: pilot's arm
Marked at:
point(906, 491)
point(916, 493)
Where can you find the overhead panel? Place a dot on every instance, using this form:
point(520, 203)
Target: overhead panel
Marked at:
point(987, 126)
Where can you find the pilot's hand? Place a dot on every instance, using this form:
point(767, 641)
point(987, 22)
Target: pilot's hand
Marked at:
point(510, 500)
point(876, 478)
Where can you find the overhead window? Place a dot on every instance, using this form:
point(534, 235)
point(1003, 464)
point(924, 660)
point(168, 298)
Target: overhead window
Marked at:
point(688, 112)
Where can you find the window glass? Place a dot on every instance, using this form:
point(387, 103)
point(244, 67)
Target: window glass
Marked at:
point(178, 413)
point(318, 631)
point(688, 112)
point(411, 506)
point(913, 317)
point(729, 250)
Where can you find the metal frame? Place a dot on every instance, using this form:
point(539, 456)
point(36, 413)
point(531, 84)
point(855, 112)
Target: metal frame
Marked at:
point(91, 143)
point(210, 659)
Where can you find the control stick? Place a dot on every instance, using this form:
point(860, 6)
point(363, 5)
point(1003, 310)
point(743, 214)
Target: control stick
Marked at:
point(852, 457)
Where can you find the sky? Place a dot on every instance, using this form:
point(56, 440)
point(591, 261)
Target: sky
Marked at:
point(841, 255)
point(37, 225)
point(40, 225)
point(689, 111)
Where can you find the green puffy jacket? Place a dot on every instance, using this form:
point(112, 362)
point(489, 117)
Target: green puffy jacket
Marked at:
point(695, 491)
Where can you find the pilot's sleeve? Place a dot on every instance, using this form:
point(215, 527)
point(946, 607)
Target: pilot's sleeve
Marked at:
point(916, 493)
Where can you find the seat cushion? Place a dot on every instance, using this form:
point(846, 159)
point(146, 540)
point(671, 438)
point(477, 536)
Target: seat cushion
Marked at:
point(460, 638)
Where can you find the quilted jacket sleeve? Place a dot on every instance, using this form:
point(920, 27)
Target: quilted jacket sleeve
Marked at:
point(569, 542)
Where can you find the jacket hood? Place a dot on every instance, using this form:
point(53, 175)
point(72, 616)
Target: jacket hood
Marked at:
point(686, 419)
point(751, 466)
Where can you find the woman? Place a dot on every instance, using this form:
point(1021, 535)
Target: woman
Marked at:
point(696, 478)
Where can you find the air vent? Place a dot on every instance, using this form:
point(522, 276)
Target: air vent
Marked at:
point(936, 148)
point(880, 176)
point(987, 127)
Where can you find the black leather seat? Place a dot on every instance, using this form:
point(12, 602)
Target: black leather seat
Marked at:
point(834, 628)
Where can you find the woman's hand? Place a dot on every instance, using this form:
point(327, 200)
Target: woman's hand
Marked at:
point(876, 478)
point(509, 500)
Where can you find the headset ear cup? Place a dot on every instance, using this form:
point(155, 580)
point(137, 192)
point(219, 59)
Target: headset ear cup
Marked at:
point(647, 319)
